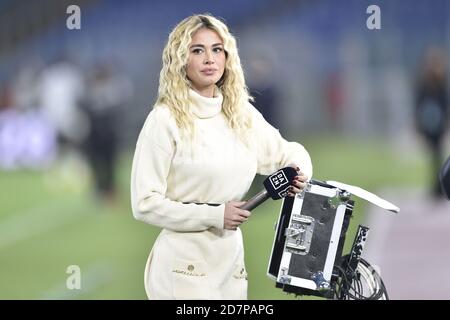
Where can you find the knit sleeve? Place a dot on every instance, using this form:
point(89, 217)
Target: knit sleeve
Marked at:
point(273, 151)
point(151, 164)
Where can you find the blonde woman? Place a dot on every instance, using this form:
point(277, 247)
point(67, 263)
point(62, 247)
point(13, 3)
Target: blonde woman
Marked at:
point(197, 154)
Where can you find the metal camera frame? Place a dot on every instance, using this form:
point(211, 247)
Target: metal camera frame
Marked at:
point(307, 255)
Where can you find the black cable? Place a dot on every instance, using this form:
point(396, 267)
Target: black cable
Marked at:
point(357, 286)
point(343, 284)
point(350, 283)
point(377, 293)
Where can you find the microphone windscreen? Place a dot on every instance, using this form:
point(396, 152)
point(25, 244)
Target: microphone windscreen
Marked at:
point(444, 178)
point(278, 183)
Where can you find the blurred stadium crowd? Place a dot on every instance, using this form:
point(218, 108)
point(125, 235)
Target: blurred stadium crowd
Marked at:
point(313, 66)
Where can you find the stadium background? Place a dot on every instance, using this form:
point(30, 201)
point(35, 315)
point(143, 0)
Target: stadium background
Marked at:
point(344, 91)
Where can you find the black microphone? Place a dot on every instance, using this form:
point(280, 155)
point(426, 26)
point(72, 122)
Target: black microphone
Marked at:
point(444, 178)
point(276, 186)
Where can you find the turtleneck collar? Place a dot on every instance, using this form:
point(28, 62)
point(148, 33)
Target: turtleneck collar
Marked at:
point(206, 107)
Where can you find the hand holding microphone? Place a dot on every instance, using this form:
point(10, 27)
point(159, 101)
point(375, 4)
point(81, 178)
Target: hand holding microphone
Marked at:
point(284, 182)
point(234, 216)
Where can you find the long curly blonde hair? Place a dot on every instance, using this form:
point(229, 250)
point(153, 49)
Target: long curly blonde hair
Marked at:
point(174, 84)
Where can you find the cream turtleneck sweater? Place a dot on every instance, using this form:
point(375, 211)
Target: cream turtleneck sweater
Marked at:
point(194, 257)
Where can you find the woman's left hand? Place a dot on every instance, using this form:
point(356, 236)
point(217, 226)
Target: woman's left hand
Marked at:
point(299, 182)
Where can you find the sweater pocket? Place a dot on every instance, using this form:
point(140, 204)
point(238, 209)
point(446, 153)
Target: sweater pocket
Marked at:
point(190, 280)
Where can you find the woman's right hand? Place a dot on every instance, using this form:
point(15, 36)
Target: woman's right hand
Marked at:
point(233, 216)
